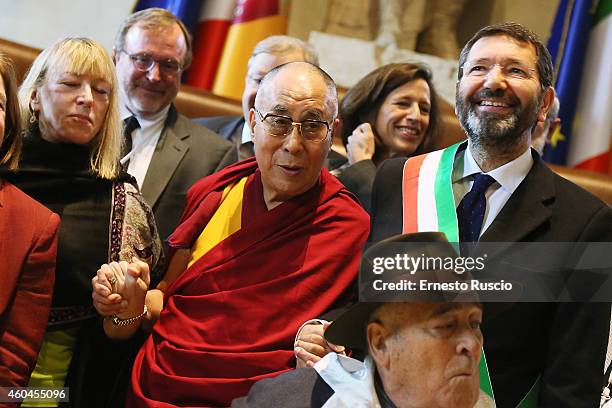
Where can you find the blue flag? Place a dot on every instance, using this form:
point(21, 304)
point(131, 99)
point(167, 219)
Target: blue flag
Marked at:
point(188, 11)
point(567, 46)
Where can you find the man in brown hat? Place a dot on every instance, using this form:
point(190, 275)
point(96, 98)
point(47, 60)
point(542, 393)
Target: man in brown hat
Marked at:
point(420, 354)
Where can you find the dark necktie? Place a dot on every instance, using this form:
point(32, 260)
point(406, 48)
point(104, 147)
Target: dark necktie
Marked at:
point(129, 125)
point(471, 210)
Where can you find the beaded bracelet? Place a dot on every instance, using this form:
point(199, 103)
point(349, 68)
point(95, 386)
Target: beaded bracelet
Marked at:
point(124, 322)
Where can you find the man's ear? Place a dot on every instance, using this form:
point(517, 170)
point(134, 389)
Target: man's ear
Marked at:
point(252, 123)
point(335, 132)
point(377, 336)
point(547, 101)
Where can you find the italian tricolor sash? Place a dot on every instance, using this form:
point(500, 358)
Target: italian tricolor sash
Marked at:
point(428, 205)
point(427, 194)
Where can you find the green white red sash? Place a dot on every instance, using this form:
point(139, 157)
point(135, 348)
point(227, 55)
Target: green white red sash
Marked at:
point(428, 204)
point(427, 194)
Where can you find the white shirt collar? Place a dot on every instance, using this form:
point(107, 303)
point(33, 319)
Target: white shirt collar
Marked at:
point(246, 134)
point(144, 123)
point(509, 175)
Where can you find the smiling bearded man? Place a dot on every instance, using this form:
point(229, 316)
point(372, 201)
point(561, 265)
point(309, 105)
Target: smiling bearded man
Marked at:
point(262, 245)
point(492, 128)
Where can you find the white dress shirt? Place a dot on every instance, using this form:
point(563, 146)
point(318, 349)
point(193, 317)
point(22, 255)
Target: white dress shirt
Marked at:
point(246, 134)
point(144, 141)
point(507, 179)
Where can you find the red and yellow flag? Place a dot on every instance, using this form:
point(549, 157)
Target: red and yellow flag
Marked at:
point(208, 42)
point(254, 20)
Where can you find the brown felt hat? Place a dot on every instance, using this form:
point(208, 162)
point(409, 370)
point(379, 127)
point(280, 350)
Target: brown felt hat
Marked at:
point(349, 329)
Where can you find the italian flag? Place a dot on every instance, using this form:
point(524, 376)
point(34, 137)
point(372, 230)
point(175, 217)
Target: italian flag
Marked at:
point(590, 148)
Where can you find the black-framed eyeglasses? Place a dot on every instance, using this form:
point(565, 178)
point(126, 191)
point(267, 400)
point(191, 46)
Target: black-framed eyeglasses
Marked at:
point(281, 126)
point(145, 63)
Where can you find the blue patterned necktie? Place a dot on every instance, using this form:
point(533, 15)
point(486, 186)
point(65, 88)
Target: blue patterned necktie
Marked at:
point(471, 210)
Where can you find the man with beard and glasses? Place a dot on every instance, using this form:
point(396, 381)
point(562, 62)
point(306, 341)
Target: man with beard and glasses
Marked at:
point(494, 188)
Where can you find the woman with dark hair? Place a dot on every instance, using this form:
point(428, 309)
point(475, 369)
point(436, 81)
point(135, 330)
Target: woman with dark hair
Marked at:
point(70, 163)
point(391, 112)
point(28, 243)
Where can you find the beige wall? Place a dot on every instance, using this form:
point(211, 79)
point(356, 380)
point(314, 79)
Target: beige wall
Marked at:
point(39, 23)
point(537, 15)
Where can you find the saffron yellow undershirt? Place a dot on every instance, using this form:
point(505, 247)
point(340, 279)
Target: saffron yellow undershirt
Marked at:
point(225, 221)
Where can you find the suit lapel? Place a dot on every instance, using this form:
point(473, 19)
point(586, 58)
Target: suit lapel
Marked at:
point(171, 148)
point(527, 208)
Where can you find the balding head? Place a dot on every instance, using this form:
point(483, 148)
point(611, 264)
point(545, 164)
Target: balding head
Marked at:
point(302, 74)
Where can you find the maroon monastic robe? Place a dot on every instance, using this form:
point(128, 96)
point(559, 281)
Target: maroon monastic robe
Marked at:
point(230, 319)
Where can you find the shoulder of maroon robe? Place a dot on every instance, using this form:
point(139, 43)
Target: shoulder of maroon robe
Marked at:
point(326, 188)
point(202, 201)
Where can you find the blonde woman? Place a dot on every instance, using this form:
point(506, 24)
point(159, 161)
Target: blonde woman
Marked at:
point(70, 163)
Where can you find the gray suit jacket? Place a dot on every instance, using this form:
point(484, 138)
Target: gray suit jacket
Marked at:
point(230, 128)
point(300, 388)
point(184, 154)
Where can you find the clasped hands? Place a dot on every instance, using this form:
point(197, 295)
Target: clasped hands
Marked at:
point(120, 288)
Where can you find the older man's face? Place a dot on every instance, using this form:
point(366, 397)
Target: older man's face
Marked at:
point(291, 165)
point(146, 93)
point(503, 103)
point(258, 67)
point(434, 354)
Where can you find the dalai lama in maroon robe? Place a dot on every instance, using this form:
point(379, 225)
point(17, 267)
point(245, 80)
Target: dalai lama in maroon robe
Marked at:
point(262, 246)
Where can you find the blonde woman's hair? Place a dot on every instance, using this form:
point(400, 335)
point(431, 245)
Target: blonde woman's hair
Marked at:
point(81, 56)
